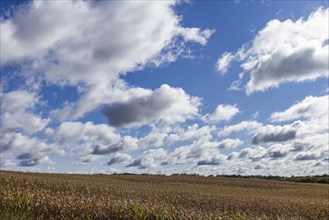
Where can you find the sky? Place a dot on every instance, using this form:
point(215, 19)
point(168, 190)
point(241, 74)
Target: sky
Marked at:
point(163, 87)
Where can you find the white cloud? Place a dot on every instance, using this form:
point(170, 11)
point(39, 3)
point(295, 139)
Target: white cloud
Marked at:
point(88, 138)
point(308, 156)
point(202, 149)
point(22, 122)
point(310, 107)
point(249, 126)
point(277, 151)
point(149, 158)
point(223, 63)
point(163, 104)
point(192, 132)
point(270, 133)
point(153, 139)
point(285, 51)
point(54, 29)
point(70, 133)
point(136, 40)
point(223, 113)
point(17, 113)
point(255, 153)
point(310, 120)
point(22, 143)
point(230, 143)
point(120, 158)
point(196, 35)
point(95, 96)
point(17, 101)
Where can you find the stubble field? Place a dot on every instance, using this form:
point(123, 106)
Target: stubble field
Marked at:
point(62, 196)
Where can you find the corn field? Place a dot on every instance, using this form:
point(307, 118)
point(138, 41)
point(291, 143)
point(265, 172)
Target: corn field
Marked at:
point(64, 196)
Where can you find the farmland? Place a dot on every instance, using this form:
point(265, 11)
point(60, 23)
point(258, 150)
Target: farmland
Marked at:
point(63, 196)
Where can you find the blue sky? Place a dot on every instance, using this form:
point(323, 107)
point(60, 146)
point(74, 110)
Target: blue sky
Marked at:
point(216, 87)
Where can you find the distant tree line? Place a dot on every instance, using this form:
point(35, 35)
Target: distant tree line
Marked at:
point(301, 179)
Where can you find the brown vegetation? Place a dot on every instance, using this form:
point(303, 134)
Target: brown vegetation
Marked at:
point(60, 196)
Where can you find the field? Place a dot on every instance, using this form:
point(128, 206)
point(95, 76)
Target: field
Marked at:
point(61, 196)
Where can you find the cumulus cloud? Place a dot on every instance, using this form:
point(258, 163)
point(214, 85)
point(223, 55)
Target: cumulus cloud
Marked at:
point(310, 121)
point(192, 132)
point(18, 101)
point(120, 158)
point(34, 160)
point(223, 113)
point(230, 143)
point(81, 34)
point(22, 122)
point(307, 156)
point(94, 69)
point(74, 26)
point(35, 150)
point(224, 62)
point(163, 104)
point(17, 113)
point(126, 143)
point(24, 156)
point(149, 158)
point(255, 153)
point(152, 140)
point(97, 63)
point(249, 126)
point(29, 163)
point(201, 149)
point(70, 133)
point(214, 161)
point(278, 151)
point(85, 139)
point(311, 107)
point(23, 143)
point(272, 133)
point(284, 51)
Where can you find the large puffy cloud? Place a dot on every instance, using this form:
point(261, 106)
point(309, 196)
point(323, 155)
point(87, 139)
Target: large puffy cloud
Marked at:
point(19, 100)
point(163, 104)
point(62, 27)
point(132, 35)
point(149, 158)
point(87, 140)
point(70, 48)
point(19, 125)
point(32, 151)
point(120, 158)
point(69, 133)
point(192, 132)
point(310, 107)
point(308, 156)
point(310, 120)
point(255, 153)
point(34, 160)
point(272, 133)
point(279, 151)
point(284, 51)
point(23, 143)
point(94, 96)
point(22, 121)
point(17, 113)
point(126, 143)
point(203, 150)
